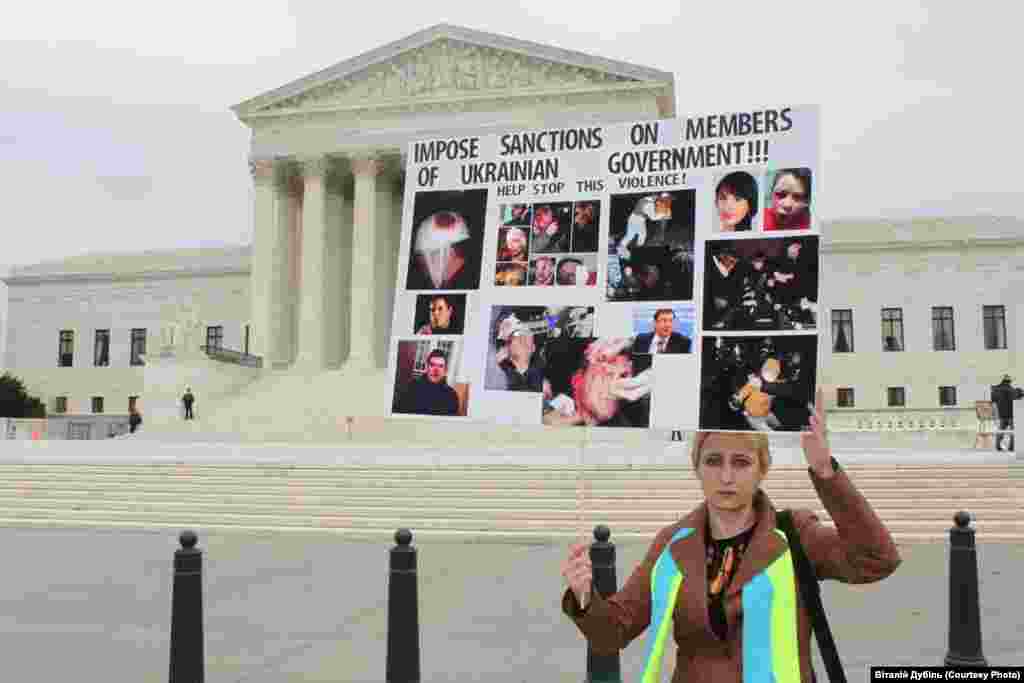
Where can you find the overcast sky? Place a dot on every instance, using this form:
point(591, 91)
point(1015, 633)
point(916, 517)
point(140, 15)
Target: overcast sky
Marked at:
point(116, 133)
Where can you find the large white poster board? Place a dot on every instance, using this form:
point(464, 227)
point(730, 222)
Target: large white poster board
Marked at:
point(655, 274)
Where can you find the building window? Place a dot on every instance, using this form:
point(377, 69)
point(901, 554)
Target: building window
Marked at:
point(897, 397)
point(101, 355)
point(844, 397)
point(66, 350)
point(132, 401)
point(842, 330)
point(215, 337)
point(97, 404)
point(892, 329)
point(995, 327)
point(942, 328)
point(947, 396)
point(60, 405)
point(138, 345)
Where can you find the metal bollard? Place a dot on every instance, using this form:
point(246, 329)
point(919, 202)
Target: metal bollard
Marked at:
point(603, 668)
point(403, 654)
point(964, 611)
point(187, 664)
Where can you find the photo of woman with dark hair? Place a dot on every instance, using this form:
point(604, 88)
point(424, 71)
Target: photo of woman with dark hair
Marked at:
point(736, 201)
point(790, 200)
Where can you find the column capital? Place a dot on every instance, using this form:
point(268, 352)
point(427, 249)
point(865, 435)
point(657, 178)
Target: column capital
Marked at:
point(367, 166)
point(315, 167)
point(261, 170)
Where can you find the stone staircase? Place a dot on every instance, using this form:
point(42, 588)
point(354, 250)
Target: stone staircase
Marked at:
point(495, 503)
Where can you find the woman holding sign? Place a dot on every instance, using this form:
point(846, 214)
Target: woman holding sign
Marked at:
point(722, 579)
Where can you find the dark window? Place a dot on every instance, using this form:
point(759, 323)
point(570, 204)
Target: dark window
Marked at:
point(215, 337)
point(897, 397)
point(842, 330)
point(942, 328)
point(61, 405)
point(138, 345)
point(947, 396)
point(66, 350)
point(844, 397)
point(995, 327)
point(97, 404)
point(892, 329)
point(101, 355)
point(132, 400)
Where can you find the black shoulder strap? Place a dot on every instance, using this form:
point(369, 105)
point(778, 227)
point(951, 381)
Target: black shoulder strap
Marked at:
point(811, 592)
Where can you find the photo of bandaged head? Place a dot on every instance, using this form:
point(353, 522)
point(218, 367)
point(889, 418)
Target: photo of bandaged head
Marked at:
point(447, 240)
point(650, 246)
point(439, 314)
point(788, 204)
point(758, 383)
point(596, 382)
point(761, 284)
point(519, 339)
point(512, 244)
point(425, 378)
point(664, 329)
point(735, 202)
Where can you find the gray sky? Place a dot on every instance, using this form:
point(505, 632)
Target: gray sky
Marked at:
point(116, 134)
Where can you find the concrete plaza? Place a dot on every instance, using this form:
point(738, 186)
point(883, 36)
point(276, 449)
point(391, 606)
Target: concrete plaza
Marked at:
point(88, 604)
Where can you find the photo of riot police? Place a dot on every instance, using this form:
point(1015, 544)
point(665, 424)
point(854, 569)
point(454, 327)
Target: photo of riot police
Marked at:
point(761, 284)
point(650, 246)
point(758, 383)
point(586, 221)
point(447, 240)
point(439, 314)
point(596, 382)
point(520, 337)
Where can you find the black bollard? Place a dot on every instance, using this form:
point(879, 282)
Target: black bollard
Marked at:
point(603, 668)
point(403, 656)
point(964, 611)
point(187, 665)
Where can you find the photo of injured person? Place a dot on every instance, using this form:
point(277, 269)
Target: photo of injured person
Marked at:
point(596, 382)
point(758, 383)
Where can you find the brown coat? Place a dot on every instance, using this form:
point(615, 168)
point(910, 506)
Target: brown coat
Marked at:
point(858, 550)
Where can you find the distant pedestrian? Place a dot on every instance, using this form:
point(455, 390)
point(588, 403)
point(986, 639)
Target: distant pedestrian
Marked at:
point(1003, 396)
point(134, 420)
point(188, 399)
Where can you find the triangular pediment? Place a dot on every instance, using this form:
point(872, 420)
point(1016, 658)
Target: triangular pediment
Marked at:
point(448, 62)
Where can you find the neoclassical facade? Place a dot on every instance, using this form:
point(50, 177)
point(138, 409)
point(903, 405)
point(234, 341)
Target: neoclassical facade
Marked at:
point(312, 296)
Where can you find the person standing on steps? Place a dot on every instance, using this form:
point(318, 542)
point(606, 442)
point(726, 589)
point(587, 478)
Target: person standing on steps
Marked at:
point(188, 399)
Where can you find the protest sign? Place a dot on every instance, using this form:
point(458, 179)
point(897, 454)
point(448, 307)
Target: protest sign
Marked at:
point(641, 274)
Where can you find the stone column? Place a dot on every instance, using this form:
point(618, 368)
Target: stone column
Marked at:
point(363, 315)
point(313, 293)
point(261, 265)
point(279, 282)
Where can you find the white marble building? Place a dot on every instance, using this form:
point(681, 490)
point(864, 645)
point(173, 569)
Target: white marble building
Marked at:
point(312, 295)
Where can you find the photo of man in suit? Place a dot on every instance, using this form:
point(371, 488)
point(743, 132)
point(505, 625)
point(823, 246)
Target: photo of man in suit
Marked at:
point(663, 339)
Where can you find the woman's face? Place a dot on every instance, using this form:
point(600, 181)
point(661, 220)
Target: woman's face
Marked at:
point(789, 199)
point(729, 471)
point(731, 209)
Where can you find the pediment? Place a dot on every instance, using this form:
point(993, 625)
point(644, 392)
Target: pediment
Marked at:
point(448, 63)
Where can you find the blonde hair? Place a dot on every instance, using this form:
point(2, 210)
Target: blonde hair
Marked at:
point(755, 441)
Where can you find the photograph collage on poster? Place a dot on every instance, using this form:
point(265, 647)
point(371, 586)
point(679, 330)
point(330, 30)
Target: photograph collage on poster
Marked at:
point(759, 327)
point(651, 246)
point(741, 206)
point(550, 244)
point(445, 257)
